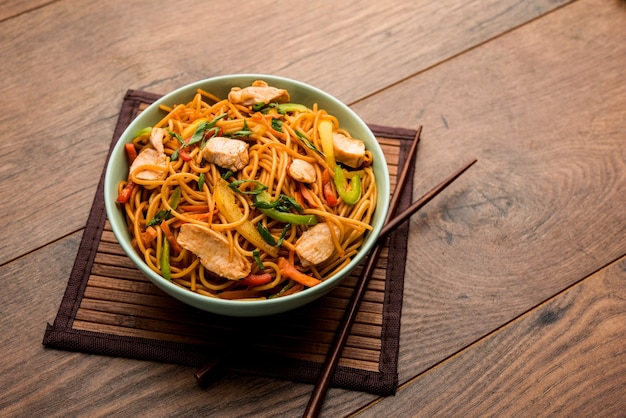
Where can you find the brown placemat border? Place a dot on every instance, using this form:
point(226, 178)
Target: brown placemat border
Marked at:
point(61, 335)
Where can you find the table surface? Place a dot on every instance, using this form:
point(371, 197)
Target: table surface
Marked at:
point(515, 289)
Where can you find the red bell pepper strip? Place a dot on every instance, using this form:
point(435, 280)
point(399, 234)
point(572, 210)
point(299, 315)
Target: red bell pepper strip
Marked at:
point(126, 192)
point(256, 279)
point(131, 152)
point(327, 188)
point(170, 237)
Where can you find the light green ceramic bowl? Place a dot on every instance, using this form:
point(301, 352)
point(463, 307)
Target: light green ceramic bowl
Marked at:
point(117, 170)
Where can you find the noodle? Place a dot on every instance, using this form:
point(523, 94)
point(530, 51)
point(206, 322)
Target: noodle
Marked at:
point(255, 197)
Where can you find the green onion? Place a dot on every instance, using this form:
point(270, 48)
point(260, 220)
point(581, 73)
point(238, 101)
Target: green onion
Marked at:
point(201, 181)
point(175, 198)
point(277, 125)
point(165, 260)
point(265, 234)
point(308, 143)
point(257, 257)
point(244, 132)
point(159, 217)
point(282, 235)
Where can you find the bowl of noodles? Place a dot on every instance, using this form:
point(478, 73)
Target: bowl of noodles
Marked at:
point(247, 195)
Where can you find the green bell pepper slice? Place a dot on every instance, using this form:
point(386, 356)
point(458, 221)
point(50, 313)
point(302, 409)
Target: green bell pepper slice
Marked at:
point(350, 193)
point(286, 217)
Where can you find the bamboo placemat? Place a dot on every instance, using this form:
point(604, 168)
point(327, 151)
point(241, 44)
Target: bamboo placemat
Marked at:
point(110, 308)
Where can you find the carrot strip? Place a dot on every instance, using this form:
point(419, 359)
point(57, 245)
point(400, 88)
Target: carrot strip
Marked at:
point(126, 192)
point(131, 152)
point(148, 235)
point(256, 279)
point(195, 216)
point(298, 196)
point(306, 194)
point(289, 270)
point(170, 237)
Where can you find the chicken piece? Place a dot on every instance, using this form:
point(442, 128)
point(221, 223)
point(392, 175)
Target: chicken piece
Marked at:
point(315, 245)
point(156, 139)
point(258, 92)
point(228, 153)
point(149, 156)
point(302, 171)
point(213, 251)
point(349, 151)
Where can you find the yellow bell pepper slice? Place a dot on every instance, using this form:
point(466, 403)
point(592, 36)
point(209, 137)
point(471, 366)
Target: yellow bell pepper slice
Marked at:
point(325, 129)
point(226, 203)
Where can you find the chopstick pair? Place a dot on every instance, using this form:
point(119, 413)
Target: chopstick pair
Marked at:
point(392, 222)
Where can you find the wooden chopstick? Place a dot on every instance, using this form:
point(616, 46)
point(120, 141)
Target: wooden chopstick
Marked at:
point(319, 391)
point(321, 387)
point(415, 206)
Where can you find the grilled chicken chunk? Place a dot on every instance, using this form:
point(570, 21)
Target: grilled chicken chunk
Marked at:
point(228, 153)
point(349, 151)
point(315, 245)
point(213, 251)
point(156, 139)
point(302, 171)
point(258, 92)
point(149, 156)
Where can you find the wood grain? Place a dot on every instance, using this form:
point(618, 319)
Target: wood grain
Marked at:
point(12, 8)
point(65, 76)
point(544, 207)
point(565, 358)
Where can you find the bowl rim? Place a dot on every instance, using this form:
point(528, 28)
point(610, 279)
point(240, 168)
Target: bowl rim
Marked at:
point(244, 307)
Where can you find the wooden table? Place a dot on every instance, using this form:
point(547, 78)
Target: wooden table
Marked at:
point(515, 290)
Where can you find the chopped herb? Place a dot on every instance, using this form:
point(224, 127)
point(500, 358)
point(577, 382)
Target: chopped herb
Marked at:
point(308, 143)
point(227, 175)
point(258, 106)
point(198, 133)
point(174, 156)
point(205, 131)
point(257, 257)
point(242, 133)
point(283, 233)
point(178, 137)
point(208, 134)
point(265, 234)
point(277, 125)
point(159, 217)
